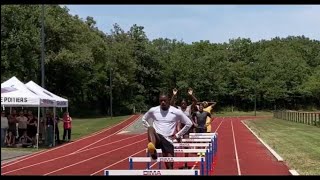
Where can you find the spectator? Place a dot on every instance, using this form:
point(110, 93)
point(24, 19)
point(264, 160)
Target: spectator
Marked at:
point(32, 125)
point(10, 139)
point(25, 140)
point(67, 126)
point(4, 127)
point(22, 124)
point(57, 134)
point(25, 113)
point(13, 123)
point(49, 124)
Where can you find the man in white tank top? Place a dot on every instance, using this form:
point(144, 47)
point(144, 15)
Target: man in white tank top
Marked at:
point(162, 133)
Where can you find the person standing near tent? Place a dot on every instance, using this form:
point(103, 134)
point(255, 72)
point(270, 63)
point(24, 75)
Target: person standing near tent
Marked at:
point(67, 126)
point(49, 127)
point(22, 124)
point(32, 125)
point(13, 123)
point(4, 127)
point(56, 129)
point(161, 134)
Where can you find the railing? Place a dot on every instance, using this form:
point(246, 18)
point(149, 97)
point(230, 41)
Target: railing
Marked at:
point(310, 118)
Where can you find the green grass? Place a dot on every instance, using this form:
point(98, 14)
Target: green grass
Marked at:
point(297, 143)
point(242, 113)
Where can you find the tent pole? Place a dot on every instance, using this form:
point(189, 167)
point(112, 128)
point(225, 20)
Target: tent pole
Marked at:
point(38, 127)
point(54, 126)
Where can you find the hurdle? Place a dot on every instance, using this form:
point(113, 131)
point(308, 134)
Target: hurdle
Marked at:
point(203, 134)
point(207, 136)
point(174, 159)
point(183, 150)
point(200, 137)
point(193, 140)
point(160, 172)
point(207, 151)
point(191, 144)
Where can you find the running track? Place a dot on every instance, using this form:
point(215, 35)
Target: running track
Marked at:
point(239, 153)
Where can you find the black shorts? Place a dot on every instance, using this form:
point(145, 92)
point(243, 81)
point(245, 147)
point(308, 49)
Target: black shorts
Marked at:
point(164, 145)
point(201, 130)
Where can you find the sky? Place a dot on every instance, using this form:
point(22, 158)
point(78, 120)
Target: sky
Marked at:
point(216, 23)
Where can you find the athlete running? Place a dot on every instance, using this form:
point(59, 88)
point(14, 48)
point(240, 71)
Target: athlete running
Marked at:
point(161, 134)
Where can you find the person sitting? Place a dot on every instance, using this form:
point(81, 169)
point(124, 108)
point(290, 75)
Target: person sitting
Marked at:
point(25, 140)
point(10, 139)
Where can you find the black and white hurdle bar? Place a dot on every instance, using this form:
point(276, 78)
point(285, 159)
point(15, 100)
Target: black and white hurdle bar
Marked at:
point(154, 172)
point(208, 152)
point(202, 161)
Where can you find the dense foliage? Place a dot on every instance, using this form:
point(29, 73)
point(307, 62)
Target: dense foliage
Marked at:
point(284, 72)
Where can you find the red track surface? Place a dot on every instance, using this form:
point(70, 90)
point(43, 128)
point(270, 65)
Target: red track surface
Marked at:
point(109, 150)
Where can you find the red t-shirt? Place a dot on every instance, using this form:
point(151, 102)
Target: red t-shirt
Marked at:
point(67, 122)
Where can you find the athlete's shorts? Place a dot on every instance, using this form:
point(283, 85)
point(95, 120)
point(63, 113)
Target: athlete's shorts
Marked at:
point(201, 130)
point(165, 145)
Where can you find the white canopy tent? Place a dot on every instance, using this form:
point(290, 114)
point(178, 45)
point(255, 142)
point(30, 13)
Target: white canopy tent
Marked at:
point(60, 102)
point(15, 94)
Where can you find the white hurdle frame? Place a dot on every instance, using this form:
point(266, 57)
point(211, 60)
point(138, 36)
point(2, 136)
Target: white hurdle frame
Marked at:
point(173, 159)
point(194, 140)
point(183, 150)
point(158, 172)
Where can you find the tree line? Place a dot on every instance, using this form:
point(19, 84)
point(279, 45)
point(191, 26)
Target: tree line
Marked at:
point(283, 73)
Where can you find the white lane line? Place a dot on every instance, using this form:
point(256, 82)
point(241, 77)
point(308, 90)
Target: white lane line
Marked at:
point(235, 149)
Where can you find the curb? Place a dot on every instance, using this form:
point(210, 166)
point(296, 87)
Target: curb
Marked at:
point(294, 172)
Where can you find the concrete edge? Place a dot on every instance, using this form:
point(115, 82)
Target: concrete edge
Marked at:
point(10, 159)
point(273, 152)
point(294, 172)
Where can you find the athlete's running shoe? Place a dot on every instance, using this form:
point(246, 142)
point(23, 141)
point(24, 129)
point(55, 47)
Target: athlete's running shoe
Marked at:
point(152, 151)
